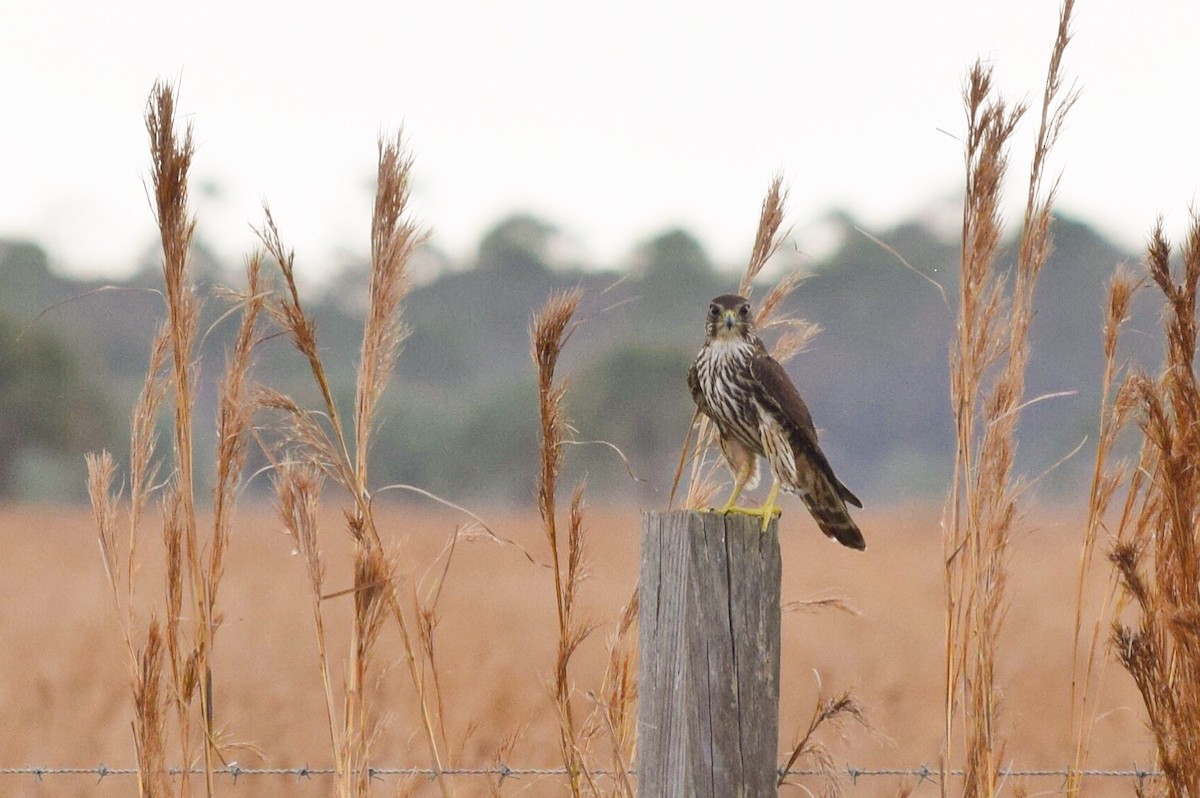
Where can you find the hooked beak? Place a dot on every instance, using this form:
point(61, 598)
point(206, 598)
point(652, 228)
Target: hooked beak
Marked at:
point(731, 318)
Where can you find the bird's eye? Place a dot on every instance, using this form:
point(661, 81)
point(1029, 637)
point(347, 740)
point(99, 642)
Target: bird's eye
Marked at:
point(744, 311)
point(714, 311)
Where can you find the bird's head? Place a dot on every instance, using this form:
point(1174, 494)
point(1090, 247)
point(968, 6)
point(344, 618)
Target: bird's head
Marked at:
point(729, 318)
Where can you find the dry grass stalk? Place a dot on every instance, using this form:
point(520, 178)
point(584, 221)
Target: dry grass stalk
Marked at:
point(322, 436)
point(192, 561)
point(980, 526)
point(500, 759)
point(298, 501)
point(144, 662)
point(988, 366)
point(1115, 409)
point(832, 714)
point(767, 238)
point(171, 160)
point(549, 334)
point(1157, 555)
point(978, 521)
point(143, 469)
point(149, 726)
point(613, 714)
point(202, 565)
point(393, 241)
point(428, 619)
point(373, 580)
point(816, 605)
point(617, 703)
point(181, 657)
point(235, 411)
point(706, 463)
point(194, 565)
point(286, 310)
point(101, 470)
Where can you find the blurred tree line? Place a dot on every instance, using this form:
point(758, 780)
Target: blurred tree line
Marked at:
point(460, 418)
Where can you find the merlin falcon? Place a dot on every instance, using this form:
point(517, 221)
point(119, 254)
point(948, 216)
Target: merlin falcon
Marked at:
point(759, 413)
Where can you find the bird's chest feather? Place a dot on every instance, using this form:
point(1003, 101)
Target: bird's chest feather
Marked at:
point(723, 370)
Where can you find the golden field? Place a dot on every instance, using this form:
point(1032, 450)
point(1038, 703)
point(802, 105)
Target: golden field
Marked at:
point(65, 697)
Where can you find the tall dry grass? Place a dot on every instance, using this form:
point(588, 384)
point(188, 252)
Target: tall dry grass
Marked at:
point(1108, 472)
point(320, 442)
point(987, 383)
point(169, 659)
point(551, 329)
point(318, 445)
point(608, 719)
point(811, 751)
point(144, 658)
point(182, 642)
point(1157, 550)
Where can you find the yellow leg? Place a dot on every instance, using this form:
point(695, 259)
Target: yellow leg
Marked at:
point(739, 482)
point(769, 509)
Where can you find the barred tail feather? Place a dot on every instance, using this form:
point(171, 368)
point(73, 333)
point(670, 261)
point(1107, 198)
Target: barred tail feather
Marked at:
point(829, 510)
point(848, 496)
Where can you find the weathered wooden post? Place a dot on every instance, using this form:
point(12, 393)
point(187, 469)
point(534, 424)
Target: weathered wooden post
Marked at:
point(708, 672)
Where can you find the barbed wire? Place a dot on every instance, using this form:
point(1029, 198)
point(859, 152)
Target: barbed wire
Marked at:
point(235, 771)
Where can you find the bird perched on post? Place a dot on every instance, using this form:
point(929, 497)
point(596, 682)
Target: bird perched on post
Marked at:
point(759, 413)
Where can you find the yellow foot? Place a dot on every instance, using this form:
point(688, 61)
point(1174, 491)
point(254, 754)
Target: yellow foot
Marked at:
point(733, 508)
point(764, 512)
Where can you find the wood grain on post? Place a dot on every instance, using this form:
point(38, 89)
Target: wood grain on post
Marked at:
point(708, 672)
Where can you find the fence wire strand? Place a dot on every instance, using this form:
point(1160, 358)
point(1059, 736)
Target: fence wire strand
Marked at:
point(235, 771)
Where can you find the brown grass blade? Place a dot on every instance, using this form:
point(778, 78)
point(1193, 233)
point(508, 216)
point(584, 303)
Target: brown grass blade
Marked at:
point(767, 239)
point(988, 366)
point(394, 239)
point(322, 434)
point(551, 327)
point(1157, 554)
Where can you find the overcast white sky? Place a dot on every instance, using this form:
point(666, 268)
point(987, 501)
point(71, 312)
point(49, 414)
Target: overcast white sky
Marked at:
point(612, 120)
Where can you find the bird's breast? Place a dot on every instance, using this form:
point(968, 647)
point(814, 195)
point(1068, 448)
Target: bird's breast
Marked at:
point(726, 380)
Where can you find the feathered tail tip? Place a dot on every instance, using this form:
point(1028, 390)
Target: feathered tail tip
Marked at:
point(831, 515)
point(848, 535)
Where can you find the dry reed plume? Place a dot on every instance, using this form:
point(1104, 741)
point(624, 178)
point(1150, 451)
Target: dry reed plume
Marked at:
point(612, 716)
point(1107, 475)
point(987, 381)
point(831, 713)
point(318, 445)
point(195, 562)
point(551, 329)
point(320, 441)
point(1157, 551)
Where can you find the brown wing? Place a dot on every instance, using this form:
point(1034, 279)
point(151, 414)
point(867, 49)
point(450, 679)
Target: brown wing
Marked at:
point(775, 389)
